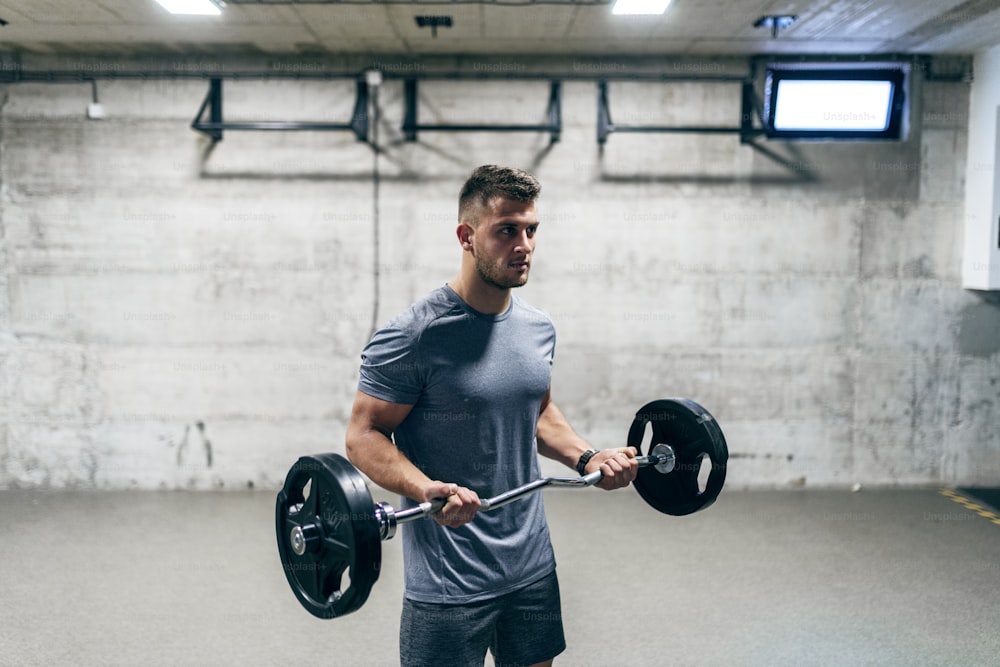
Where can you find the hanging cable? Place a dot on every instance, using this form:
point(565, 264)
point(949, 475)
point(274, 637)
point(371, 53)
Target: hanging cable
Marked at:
point(374, 78)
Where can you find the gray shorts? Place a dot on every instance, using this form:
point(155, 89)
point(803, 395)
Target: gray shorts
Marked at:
point(519, 628)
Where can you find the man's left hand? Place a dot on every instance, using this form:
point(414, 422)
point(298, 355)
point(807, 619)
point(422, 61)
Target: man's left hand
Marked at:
point(618, 465)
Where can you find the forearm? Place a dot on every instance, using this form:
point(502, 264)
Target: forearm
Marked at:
point(374, 454)
point(556, 438)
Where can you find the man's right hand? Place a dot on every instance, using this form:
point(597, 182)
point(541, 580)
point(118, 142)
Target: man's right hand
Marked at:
point(461, 507)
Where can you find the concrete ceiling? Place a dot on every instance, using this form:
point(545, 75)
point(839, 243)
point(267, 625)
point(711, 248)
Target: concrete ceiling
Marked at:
point(554, 27)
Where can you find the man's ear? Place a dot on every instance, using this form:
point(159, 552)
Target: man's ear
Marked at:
point(464, 233)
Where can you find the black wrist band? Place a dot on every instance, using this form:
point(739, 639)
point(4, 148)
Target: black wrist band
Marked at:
point(581, 465)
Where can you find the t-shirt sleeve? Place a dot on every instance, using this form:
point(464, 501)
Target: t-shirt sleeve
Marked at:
point(390, 369)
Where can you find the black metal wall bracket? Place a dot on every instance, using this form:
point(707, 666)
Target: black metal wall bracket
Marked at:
point(214, 126)
point(746, 129)
point(411, 126)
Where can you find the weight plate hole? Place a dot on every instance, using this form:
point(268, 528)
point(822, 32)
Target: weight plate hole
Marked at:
point(307, 489)
point(646, 445)
point(336, 585)
point(704, 471)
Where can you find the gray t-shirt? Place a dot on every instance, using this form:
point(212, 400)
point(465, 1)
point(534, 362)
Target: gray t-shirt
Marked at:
point(476, 383)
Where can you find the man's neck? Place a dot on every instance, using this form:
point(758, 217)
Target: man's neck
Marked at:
point(484, 298)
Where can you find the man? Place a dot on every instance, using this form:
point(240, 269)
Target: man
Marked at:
point(460, 381)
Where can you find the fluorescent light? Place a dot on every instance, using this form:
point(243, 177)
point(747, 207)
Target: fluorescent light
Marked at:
point(833, 105)
point(199, 7)
point(640, 6)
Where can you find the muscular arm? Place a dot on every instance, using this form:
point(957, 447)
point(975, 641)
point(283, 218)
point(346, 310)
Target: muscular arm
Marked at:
point(558, 441)
point(371, 451)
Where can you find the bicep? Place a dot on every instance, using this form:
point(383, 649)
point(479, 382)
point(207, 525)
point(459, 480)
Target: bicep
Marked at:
point(546, 400)
point(371, 450)
point(374, 414)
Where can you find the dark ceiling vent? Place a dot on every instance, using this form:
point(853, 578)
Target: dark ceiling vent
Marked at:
point(434, 22)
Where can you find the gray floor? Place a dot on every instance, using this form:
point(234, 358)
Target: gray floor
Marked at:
point(762, 578)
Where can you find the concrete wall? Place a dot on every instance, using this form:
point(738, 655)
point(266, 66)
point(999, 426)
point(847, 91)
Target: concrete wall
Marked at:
point(180, 315)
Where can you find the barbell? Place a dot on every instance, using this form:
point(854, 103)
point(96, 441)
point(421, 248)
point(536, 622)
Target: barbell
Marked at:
point(330, 531)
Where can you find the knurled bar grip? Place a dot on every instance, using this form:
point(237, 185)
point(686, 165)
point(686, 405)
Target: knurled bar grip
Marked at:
point(661, 456)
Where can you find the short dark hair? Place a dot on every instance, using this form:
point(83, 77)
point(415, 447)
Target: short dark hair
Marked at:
point(489, 182)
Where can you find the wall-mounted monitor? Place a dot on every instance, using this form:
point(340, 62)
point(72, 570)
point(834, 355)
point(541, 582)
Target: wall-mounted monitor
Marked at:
point(824, 101)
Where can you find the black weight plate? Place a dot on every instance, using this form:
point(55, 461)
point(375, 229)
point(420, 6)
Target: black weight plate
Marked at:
point(696, 439)
point(339, 517)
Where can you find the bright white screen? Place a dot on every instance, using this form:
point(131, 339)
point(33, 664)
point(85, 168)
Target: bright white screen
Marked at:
point(832, 105)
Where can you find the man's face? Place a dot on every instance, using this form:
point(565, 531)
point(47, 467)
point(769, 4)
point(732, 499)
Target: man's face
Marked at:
point(504, 242)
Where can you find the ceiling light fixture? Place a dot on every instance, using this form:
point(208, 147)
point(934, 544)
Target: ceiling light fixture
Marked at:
point(775, 22)
point(633, 7)
point(196, 7)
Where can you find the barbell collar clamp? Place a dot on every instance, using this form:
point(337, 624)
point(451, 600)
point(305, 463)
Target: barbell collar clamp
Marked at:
point(387, 520)
point(667, 459)
point(303, 538)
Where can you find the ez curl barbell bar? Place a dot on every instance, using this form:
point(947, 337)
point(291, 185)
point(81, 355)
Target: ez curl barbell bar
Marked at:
point(327, 524)
point(662, 458)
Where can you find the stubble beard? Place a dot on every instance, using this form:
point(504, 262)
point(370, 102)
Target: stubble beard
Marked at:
point(493, 276)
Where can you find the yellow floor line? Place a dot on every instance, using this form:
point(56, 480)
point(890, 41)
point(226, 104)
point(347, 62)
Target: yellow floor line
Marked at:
point(968, 504)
